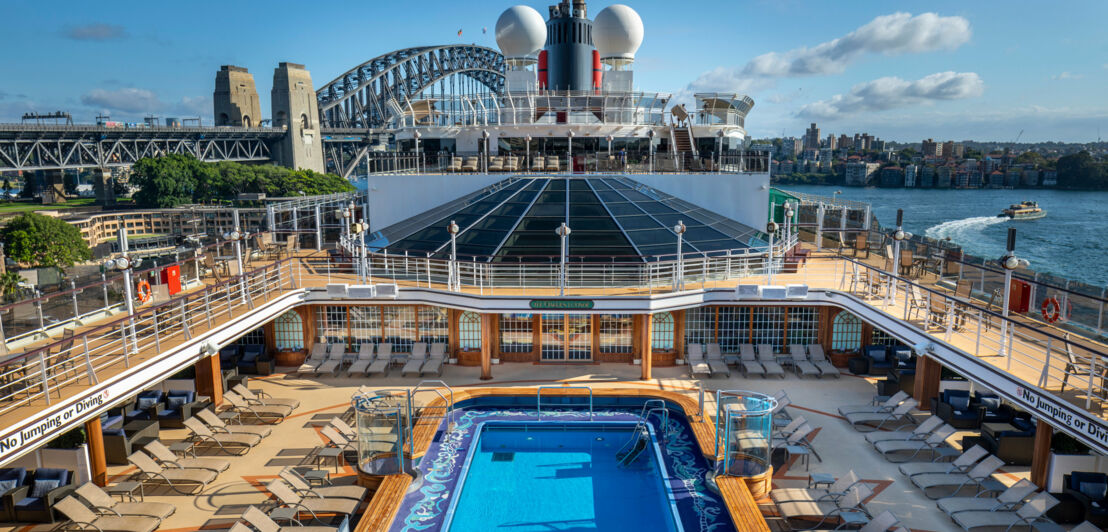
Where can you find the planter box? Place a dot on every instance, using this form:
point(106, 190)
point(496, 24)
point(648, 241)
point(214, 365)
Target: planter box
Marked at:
point(1061, 464)
point(839, 359)
point(75, 460)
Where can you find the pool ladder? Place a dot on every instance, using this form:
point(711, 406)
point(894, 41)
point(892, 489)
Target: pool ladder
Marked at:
point(640, 435)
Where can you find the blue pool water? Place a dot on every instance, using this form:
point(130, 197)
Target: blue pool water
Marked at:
point(560, 476)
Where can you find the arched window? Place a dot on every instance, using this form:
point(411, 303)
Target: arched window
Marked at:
point(469, 331)
point(290, 331)
point(246, 121)
point(846, 332)
point(304, 122)
point(662, 332)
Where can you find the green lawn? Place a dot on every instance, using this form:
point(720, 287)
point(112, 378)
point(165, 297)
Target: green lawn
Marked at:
point(24, 206)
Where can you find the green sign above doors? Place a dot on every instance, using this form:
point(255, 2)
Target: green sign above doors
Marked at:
point(561, 304)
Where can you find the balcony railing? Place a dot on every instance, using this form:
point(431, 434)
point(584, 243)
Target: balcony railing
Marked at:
point(535, 162)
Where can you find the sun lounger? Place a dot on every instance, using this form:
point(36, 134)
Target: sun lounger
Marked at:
point(435, 360)
point(799, 437)
point(695, 357)
point(150, 471)
point(287, 497)
point(162, 454)
point(271, 414)
point(963, 463)
point(416, 360)
point(229, 443)
point(217, 425)
point(970, 479)
point(882, 522)
point(302, 487)
point(342, 427)
point(1009, 499)
point(82, 517)
point(800, 361)
point(913, 448)
point(262, 523)
point(333, 361)
point(825, 509)
point(316, 357)
point(259, 397)
point(338, 440)
point(1086, 527)
point(787, 430)
point(362, 360)
point(749, 361)
point(1032, 511)
point(103, 504)
point(768, 361)
point(833, 492)
point(715, 361)
point(384, 359)
point(867, 419)
point(920, 432)
point(817, 356)
point(887, 406)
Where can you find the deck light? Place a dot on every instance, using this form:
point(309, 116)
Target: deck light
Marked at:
point(679, 272)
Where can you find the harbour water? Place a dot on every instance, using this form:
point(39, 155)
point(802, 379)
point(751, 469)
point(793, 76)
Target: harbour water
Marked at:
point(1069, 242)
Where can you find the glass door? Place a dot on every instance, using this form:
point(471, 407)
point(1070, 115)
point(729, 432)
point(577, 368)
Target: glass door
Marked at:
point(566, 337)
point(553, 337)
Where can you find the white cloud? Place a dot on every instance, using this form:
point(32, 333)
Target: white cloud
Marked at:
point(892, 92)
point(128, 100)
point(1067, 75)
point(898, 33)
point(95, 32)
point(195, 106)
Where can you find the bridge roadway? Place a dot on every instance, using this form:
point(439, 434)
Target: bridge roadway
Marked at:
point(57, 147)
point(110, 360)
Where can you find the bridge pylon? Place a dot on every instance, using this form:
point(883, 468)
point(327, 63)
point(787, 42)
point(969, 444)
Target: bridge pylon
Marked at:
point(296, 109)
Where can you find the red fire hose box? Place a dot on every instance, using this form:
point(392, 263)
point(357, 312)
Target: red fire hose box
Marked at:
point(171, 277)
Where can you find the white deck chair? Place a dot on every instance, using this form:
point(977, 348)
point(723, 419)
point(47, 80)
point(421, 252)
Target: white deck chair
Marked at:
point(832, 492)
point(104, 504)
point(218, 425)
point(716, 362)
point(970, 479)
point(384, 359)
point(919, 432)
point(899, 415)
point(162, 454)
point(800, 361)
point(150, 471)
point(695, 357)
point(287, 497)
point(881, 523)
point(826, 509)
point(262, 523)
point(787, 430)
point(887, 406)
point(333, 361)
point(749, 361)
point(769, 361)
point(1009, 499)
point(435, 360)
point(819, 358)
point(931, 444)
point(316, 357)
point(799, 437)
point(963, 463)
point(229, 443)
point(416, 360)
point(305, 489)
point(259, 397)
point(362, 360)
point(271, 414)
point(85, 519)
point(1032, 511)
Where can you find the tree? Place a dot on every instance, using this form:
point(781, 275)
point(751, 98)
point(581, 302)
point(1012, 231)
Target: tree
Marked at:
point(9, 285)
point(7, 189)
point(42, 241)
point(1031, 157)
point(1082, 172)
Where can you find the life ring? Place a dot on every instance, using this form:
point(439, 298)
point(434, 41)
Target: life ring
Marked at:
point(1051, 309)
point(143, 291)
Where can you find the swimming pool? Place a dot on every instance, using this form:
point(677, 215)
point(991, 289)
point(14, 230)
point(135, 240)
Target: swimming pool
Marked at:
point(441, 483)
point(562, 476)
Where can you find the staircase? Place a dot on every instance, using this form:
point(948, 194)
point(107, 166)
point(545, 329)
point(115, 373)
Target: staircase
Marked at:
point(683, 147)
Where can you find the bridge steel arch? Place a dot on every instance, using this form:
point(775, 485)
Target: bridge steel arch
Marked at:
point(373, 94)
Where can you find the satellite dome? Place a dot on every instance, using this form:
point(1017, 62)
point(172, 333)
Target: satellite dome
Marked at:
point(617, 32)
point(520, 32)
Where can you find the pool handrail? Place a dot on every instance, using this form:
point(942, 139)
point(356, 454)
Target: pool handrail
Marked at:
point(538, 397)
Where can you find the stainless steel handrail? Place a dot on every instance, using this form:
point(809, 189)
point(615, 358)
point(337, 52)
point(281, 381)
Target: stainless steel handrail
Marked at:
point(538, 397)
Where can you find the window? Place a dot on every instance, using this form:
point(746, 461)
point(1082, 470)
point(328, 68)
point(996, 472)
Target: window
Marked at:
point(663, 331)
point(700, 325)
point(289, 330)
point(516, 334)
point(803, 325)
point(734, 328)
point(365, 325)
point(767, 326)
point(255, 337)
point(469, 331)
point(432, 325)
point(331, 323)
point(615, 333)
point(846, 332)
point(400, 327)
point(879, 337)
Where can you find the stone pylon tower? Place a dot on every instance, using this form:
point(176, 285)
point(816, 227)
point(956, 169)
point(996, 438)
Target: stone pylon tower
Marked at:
point(295, 108)
point(235, 99)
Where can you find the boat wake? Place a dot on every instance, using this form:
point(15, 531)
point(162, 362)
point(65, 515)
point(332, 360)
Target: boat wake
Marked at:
point(963, 231)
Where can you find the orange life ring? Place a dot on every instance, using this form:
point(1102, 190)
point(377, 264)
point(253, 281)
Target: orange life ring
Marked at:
point(1051, 309)
point(143, 291)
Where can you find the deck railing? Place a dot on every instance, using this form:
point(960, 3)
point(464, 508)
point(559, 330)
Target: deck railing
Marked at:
point(581, 162)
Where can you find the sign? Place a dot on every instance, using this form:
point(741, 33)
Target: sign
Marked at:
point(1056, 416)
point(561, 304)
point(51, 427)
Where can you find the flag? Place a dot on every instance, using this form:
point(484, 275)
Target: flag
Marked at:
point(459, 33)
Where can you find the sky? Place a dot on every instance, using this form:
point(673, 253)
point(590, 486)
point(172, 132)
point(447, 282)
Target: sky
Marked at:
point(904, 71)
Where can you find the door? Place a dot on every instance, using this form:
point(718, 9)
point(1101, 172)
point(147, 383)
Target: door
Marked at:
point(566, 338)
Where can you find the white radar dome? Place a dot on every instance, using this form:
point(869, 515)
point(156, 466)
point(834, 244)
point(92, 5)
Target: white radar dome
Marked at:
point(617, 32)
point(520, 32)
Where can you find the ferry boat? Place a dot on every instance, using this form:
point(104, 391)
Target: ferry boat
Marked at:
point(1024, 210)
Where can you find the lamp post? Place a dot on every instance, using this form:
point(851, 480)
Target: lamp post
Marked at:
point(719, 165)
point(562, 231)
point(527, 159)
point(1010, 263)
point(789, 212)
point(418, 155)
point(679, 273)
point(485, 137)
point(236, 237)
point(569, 164)
point(898, 236)
point(453, 283)
point(125, 264)
point(771, 229)
point(651, 147)
point(609, 138)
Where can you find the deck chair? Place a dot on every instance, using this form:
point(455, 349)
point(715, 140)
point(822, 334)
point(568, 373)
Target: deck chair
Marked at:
point(916, 302)
point(937, 310)
point(919, 432)
point(263, 523)
point(553, 164)
point(897, 416)
point(335, 355)
point(416, 360)
point(928, 482)
point(435, 360)
point(749, 361)
point(819, 358)
point(1031, 512)
point(537, 164)
point(1086, 526)
point(882, 522)
point(150, 471)
point(887, 406)
point(799, 437)
point(800, 361)
point(334, 439)
point(784, 432)
point(826, 509)
point(861, 243)
point(305, 489)
point(780, 413)
point(84, 518)
point(833, 492)
point(316, 357)
point(362, 360)
point(963, 463)
point(315, 506)
point(343, 428)
point(272, 414)
point(695, 357)
point(217, 425)
point(716, 362)
point(931, 444)
point(769, 361)
point(163, 455)
point(259, 397)
point(1009, 499)
point(103, 504)
point(228, 443)
point(384, 359)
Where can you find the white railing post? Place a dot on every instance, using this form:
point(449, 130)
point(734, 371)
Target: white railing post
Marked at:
point(819, 227)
